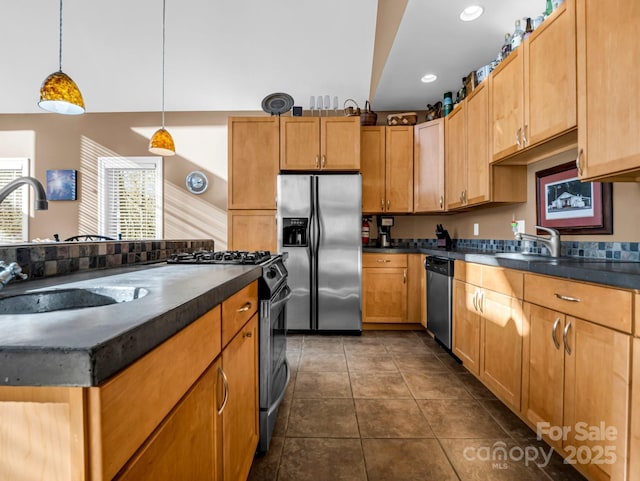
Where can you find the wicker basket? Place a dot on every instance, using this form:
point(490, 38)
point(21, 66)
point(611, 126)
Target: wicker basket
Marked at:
point(367, 116)
point(406, 118)
point(350, 110)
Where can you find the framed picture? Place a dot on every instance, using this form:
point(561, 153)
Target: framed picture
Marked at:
point(570, 206)
point(61, 184)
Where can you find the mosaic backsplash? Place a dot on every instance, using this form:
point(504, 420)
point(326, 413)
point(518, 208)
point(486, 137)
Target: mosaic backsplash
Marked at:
point(45, 260)
point(626, 251)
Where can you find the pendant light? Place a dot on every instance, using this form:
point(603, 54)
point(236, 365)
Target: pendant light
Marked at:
point(162, 143)
point(58, 93)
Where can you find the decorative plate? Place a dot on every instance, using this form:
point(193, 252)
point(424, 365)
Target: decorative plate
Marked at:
point(278, 103)
point(197, 182)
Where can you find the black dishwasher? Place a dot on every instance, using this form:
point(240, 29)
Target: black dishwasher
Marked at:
point(439, 297)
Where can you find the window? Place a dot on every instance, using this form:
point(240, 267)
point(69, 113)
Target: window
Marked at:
point(14, 209)
point(130, 193)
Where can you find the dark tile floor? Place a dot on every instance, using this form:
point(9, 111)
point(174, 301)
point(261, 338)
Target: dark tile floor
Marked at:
point(393, 406)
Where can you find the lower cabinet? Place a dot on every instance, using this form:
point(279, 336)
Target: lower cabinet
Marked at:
point(384, 288)
point(466, 325)
point(634, 431)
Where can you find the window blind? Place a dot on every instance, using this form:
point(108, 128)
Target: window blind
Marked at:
point(13, 217)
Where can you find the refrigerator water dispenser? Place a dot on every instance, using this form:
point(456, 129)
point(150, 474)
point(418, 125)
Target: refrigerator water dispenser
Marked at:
point(294, 231)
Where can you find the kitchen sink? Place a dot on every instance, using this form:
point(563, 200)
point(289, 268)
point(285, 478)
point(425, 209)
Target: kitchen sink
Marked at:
point(519, 256)
point(72, 298)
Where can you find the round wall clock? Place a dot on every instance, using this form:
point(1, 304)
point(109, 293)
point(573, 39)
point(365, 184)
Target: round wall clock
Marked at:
point(197, 182)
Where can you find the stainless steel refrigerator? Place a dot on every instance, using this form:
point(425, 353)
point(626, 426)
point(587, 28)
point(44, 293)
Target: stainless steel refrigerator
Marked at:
point(319, 226)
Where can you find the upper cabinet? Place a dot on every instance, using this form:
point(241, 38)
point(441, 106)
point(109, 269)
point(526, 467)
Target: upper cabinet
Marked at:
point(608, 42)
point(428, 166)
point(320, 143)
point(533, 92)
point(253, 156)
point(470, 179)
point(387, 169)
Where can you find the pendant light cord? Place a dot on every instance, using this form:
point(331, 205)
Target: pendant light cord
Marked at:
point(60, 41)
point(164, 8)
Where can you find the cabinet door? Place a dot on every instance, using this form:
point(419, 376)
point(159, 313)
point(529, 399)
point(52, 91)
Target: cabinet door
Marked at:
point(543, 370)
point(478, 186)
point(251, 230)
point(456, 153)
point(428, 166)
point(466, 325)
point(417, 293)
point(299, 143)
point(596, 392)
point(240, 415)
point(399, 169)
point(634, 431)
point(384, 294)
point(340, 143)
point(550, 76)
point(187, 445)
point(501, 341)
point(254, 162)
point(507, 109)
point(372, 142)
point(608, 42)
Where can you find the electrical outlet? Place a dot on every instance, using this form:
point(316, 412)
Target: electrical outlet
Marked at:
point(520, 226)
point(476, 229)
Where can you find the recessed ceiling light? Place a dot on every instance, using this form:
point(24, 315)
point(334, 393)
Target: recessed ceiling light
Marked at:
point(430, 77)
point(471, 13)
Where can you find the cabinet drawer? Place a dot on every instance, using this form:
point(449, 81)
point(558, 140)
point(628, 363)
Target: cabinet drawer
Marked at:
point(603, 305)
point(237, 310)
point(468, 272)
point(126, 409)
point(384, 260)
point(505, 281)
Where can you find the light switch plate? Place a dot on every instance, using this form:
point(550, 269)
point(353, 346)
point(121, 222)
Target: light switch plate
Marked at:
point(520, 226)
point(476, 229)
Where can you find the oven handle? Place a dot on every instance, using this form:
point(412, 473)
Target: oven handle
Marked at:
point(284, 299)
point(276, 403)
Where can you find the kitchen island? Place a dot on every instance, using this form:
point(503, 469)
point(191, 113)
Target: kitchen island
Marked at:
point(134, 390)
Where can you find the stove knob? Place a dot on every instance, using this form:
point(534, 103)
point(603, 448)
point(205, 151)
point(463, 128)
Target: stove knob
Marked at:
point(272, 272)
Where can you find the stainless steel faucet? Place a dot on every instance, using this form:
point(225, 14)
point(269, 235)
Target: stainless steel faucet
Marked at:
point(552, 242)
point(40, 202)
point(10, 272)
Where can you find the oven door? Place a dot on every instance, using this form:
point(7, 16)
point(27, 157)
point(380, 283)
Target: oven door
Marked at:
point(274, 369)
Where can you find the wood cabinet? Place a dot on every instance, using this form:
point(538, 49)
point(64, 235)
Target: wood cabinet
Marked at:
point(608, 49)
point(470, 178)
point(384, 288)
point(416, 290)
point(320, 143)
point(387, 169)
point(488, 326)
point(253, 162)
point(428, 166)
point(634, 429)
point(251, 230)
point(576, 374)
point(533, 91)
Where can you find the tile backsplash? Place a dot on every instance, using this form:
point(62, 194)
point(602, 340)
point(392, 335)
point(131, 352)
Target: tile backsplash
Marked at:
point(52, 259)
point(627, 251)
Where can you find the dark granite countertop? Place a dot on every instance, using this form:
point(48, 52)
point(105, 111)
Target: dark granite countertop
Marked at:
point(625, 274)
point(83, 347)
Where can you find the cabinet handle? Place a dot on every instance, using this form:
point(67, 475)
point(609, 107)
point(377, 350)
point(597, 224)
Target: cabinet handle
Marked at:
point(317, 161)
point(565, 333)
point(381, 204)
point(247, 334)
point(245, 308)
point(578, 165)
point(464, 196)
point(567, 298)
point(441, 201)
point(554, 332)
point(475, 300)
point(524, 136)
point(388, 204)
point(481, 302)
point(324, 161)
point(518, 143)
point(225, 382)
point(404, 276)
point(384, 260)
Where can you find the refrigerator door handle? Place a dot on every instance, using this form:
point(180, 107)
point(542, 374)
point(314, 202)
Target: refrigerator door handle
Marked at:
point(313, 250)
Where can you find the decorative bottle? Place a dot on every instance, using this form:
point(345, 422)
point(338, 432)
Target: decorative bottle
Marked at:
point(447, 104)
point(529, 29)
point(516, 38)
point(506, 47)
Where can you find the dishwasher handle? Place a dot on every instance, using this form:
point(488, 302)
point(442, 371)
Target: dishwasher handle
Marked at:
point(440, 265)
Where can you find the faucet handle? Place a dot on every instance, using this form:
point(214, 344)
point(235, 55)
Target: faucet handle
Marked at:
point(550, 230)
point(16, 270)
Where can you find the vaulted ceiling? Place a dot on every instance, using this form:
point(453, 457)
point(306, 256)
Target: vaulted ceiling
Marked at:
point(227, 55)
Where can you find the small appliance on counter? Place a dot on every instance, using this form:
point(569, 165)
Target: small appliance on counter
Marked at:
point(443, 241)
point(384, 223)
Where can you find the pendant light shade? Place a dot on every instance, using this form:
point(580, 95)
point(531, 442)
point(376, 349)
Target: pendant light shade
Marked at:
point(58, 93)
point(162, 143)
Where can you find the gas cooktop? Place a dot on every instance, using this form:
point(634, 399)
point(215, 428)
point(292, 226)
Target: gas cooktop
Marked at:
point(220, 257)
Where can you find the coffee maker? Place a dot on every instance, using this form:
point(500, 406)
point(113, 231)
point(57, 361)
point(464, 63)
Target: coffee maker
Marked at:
point(384, 224)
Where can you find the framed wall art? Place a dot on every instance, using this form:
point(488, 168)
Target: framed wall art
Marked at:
point(570, 206)
point(61, 184)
